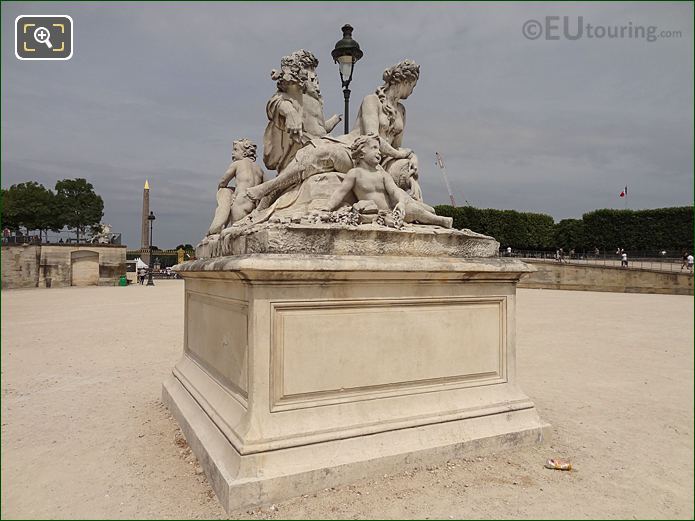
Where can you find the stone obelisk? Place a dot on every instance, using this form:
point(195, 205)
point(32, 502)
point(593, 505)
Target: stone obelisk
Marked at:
point(145, 243)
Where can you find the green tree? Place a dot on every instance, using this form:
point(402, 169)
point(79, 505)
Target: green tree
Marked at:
point(53, 220)
point(570, 234)
point(652, 230)
point(78, 205)
point(8, 220)
point(636, 230)
point(32, 206)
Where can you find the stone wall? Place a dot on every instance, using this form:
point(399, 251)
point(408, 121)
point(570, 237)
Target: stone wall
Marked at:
point(553, 275)
point(52, 265)
point(20, 266)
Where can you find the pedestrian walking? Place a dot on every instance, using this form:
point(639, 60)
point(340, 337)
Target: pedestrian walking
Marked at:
point(623, 259)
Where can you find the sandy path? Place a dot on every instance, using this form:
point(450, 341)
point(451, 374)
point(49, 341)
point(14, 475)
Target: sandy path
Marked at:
point(84, 433)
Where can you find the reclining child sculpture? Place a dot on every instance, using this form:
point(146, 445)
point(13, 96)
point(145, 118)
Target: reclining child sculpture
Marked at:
point(370, 183)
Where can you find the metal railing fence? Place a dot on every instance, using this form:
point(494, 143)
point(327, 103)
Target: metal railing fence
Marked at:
point(637, 260)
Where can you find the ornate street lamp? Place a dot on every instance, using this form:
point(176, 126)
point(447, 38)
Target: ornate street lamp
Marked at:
point(346, 53)
point(150, 282)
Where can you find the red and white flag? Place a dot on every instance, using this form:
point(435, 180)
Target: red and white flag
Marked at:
point(624, 192)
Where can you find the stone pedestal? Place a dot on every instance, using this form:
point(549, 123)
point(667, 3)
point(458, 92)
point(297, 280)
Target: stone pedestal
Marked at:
point(302, 372)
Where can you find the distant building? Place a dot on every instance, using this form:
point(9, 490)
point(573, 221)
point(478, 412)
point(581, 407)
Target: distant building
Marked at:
point(60, 265)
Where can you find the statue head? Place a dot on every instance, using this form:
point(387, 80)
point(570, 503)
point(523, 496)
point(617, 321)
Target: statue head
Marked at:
point(366, 148)
point(242, 148)
point(402, 76)
point(292, 75)
point(308, 61)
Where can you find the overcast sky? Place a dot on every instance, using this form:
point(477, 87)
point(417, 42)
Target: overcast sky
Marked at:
point(158, 91)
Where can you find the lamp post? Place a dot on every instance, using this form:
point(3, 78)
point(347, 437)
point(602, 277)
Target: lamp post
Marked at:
point(150, 282)
point(346, 53)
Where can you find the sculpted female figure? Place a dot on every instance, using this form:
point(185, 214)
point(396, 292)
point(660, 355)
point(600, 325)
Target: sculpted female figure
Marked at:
point(380, 113)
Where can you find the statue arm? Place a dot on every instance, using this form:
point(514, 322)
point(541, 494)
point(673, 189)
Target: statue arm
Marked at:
point(332, 122)
point(390, 151)
point(260, 172)
point(342, 191)
point(398, 138)
point(369, 115)
point(228, 176)
point(293, 119)
point(401, 153)
point(397, 196)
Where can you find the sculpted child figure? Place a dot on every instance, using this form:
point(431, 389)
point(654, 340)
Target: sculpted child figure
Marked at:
point(232, 205)
point(370, 182)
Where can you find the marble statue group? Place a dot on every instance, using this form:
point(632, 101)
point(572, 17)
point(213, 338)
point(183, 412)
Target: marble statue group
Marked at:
point(335, 326)
point(363, 178)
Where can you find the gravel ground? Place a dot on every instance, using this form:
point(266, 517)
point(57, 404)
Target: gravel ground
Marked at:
point(85, 435)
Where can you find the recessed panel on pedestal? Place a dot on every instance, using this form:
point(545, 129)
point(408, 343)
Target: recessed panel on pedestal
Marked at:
point(216, 338)
point(334, 351)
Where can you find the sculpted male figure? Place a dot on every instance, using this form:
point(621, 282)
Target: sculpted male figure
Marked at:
point(284, 134)
point(315, 124)
point(233, 205)
point(295, 111)
point(370, 182)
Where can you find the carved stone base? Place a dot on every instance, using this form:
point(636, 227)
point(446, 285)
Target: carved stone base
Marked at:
point(303, 372)
point(334, 239)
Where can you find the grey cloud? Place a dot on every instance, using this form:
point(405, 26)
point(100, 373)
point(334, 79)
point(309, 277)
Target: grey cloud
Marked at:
point(159, 92)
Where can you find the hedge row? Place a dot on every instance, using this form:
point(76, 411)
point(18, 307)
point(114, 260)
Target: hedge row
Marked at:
point(657, 229)
point(520, 230)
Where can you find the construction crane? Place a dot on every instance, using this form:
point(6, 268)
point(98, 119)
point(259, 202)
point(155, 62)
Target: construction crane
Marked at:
point(440, 163)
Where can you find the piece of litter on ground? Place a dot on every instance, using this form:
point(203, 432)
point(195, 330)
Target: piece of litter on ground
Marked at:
point(558, 464)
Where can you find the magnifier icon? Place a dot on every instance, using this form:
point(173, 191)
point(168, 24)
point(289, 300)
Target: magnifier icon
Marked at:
point(43, 35)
